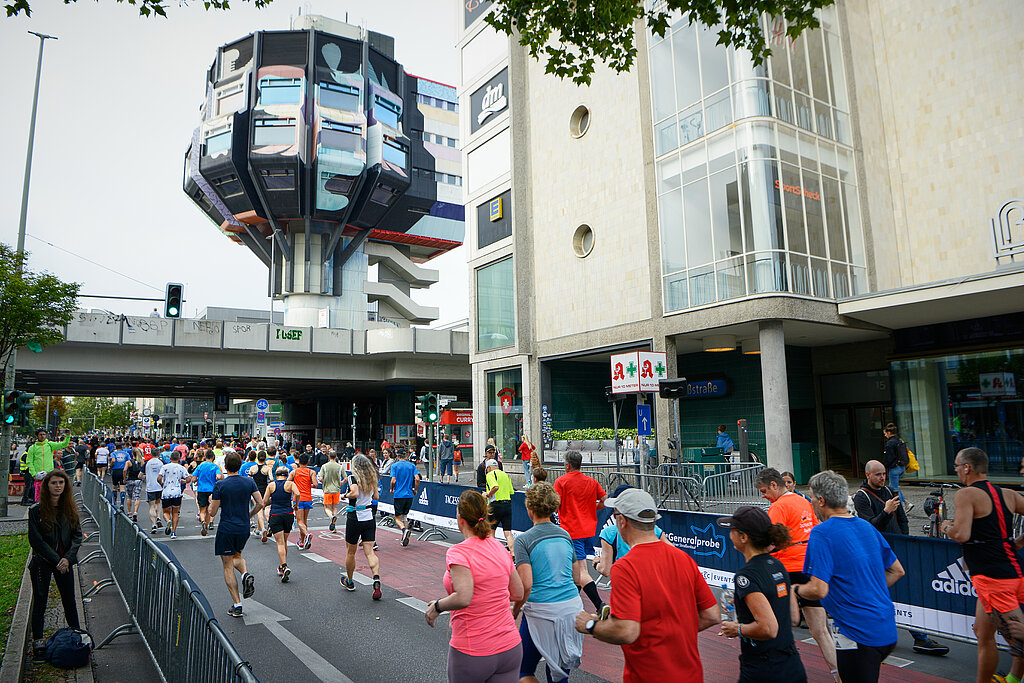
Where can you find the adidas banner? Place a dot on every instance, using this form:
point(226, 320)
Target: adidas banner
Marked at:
point(438, 504)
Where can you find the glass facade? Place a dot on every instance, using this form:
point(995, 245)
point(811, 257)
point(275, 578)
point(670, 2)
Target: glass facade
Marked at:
point(495, 305)
point(756, 185)
point(504, 411)
point(946, 403)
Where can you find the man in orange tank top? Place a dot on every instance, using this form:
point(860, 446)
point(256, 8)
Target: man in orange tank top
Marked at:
point(795, 511)
point(305, 479)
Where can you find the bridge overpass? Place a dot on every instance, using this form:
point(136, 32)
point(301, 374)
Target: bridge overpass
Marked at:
point(119, 355)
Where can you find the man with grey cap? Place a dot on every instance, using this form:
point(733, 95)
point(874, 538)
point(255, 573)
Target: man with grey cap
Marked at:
point(660, 600)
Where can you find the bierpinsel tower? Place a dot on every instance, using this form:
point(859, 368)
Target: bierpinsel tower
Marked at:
point(318, 152)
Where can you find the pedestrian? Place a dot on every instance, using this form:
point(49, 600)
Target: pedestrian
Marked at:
point(481, 581)
point(54, 534)
point(660, 600)
point(231, 496)
point(359, 526)
point(172, 478)
point(39, 458)
point(446, 456)
point(405, 480)
point(330, 476)
point(878, 505)
point(279, 496)
point(154, 492)
point(499, 495)
point(724, 441)
point(133, 483)
point(207, 474)
point(456, 463)
point(537, 471)
point(28, 490)
point(982, 523)
point(768, 651)
point(526, 453)
point(581, 497)
point(612, 545)
point(896, 458)
point(797, 514)
point(543, 558)
point(305, 481)
point(849, 567)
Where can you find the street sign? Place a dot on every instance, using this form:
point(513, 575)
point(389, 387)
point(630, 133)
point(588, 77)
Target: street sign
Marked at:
point(146, 412)
point(261, 418)
point(276, 424)
point(147, 421)
point(262, 404)
point(652, 369)
point(644, 424)
point(637, 371)
point(277, 431)
point(445, 399)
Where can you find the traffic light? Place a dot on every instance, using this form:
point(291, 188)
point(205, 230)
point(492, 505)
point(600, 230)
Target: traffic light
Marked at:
point(24, 402)
point(172, 300)
point(421, 406)
point(672, 388)
point(10, 405)
point(431, 413)
point(355, 411)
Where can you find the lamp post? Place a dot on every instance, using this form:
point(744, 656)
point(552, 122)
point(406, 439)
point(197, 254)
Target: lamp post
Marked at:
point(5, 437)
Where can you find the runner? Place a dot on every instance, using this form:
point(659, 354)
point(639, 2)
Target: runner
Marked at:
point(132, 482)
point(233, 494)
point(405, 479)
point(359, 527)
point(499, 493)
point(207, 474)
point(261, 475)
point(102, 453)
point(305, 480)
point(82, 452)
point(279, 495)
point(118, 458)
point(172, 478)
point(330, 477)
point(151, 473)
point(581, 498)
point(612, 546)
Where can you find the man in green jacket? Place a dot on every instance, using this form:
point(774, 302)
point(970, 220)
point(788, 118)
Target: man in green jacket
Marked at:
point(40, 456)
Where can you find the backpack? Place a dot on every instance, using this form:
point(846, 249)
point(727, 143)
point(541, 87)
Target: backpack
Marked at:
point(908, 459)
point(69, 648)
point(903, 454)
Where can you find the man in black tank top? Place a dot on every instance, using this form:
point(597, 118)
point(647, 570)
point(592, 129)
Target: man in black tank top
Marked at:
point(983, 524)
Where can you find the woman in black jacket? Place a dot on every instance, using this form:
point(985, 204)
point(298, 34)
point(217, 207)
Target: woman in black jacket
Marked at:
point(55, 534)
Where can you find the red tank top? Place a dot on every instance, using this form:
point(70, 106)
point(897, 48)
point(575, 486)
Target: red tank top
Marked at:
point(303, 480)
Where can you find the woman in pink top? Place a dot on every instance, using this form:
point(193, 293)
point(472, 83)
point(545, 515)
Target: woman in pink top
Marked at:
point(481, 582)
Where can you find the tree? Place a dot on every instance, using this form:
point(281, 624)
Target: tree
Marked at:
point(146, 7)
point(39, 410)
point(84, 411)
point(33, 306)
point(573, 34)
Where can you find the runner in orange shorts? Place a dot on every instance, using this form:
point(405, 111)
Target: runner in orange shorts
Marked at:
point(330, 477)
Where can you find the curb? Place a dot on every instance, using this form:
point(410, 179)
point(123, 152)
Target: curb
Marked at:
point(17, 639)
point(83, 674)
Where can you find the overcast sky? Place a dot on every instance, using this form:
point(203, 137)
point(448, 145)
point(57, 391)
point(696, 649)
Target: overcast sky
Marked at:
point(118, 102)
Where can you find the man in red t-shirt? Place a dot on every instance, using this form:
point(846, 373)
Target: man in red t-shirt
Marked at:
point(526, 453)
point(581, 498)
point(660, 600)
point(147, 449)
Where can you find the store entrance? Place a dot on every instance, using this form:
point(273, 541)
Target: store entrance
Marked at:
point(853, 435)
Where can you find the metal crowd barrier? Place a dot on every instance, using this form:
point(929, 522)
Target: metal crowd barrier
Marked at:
point(725, 491)
point(165, 607)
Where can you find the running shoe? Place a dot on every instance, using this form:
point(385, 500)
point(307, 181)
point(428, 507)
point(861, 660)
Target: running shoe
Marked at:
point(309, 542)
point(153, 530)
point(285, 574)
point(605, 612)
point(235, 610)
point(299, 543)
point(198, 517)
point(159, 524)
point(280, 570)
point(348, 584)
point(405, 536)
point(334, 519)
point(135, 518)
point(248, 585)
point(266, 533)
point(204, 530)
point(375, 547)
point(173, 535)
point(377, 594)
point(167, 530)
point(927, 646)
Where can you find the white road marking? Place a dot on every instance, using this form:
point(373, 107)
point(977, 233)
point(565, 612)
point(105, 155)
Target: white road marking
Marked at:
point(415, 603)
point(258, 613)
point(898, 661)
point(362, 579)
point(314, 557)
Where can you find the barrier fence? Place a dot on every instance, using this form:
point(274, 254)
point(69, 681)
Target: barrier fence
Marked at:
point(165, 605)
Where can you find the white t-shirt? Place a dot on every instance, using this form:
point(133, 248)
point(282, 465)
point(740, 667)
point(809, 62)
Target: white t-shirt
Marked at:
point(101, 455)
point(153, 467)
point(173, 475)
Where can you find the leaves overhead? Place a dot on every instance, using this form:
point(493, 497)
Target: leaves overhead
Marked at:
point(573, 35)
point(146, 7)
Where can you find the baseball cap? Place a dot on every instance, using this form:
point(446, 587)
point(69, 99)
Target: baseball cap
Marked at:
point(491, 463)
point(748, 519)
point(634, 504)
point(491, 449)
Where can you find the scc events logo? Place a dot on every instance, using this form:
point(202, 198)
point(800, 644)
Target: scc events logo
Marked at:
point(701, 541)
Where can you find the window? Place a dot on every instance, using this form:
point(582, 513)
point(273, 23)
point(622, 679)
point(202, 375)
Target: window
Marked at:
point(268, 132)
point(387, 112)
point(579, 122)
point(218, 140)
point(437, 176)
point(395, 152)
point(495, 305)
point(343, 97)
point(230, 98)
point(382, 194)
point(336, 184)
point(278, 178)
point(275, 90)
point(228, 186)
point(583, 241)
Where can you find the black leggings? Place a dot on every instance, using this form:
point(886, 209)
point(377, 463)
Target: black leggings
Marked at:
point(40, 570)
point(863, 664)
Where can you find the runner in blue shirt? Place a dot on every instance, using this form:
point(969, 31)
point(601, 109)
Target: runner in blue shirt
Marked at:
point(232, 494)
point(207, 475)
point(118, 457)
point(405, 479)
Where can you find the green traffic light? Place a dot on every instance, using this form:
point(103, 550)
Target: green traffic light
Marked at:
point(8, 419)
point(172, 310)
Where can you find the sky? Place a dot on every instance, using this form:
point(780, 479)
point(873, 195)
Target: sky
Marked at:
point(118, 101)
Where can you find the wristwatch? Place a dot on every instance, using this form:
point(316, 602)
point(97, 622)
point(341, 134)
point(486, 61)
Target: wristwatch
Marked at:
point(591, 623)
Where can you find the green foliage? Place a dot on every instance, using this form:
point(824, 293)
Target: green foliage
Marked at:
point(146, 7)
point(109, 415)
point(34, 307)
point(39, 410)
point(574, 34)
point(13, 551)
point(593, 434)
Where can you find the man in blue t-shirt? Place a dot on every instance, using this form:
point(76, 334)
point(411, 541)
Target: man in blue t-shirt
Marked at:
point(118, 457)
point(231, 495)
point(207, 475)
point(405, 479)
point(851, 567)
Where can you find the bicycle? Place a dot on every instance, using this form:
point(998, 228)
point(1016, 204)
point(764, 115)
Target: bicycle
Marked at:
point(935, 508)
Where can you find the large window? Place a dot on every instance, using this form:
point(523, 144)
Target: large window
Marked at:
point(276, 90)
point(273, 132)
point(504, 411)
point(495, 305)
point(344, 97)
point(387, 112)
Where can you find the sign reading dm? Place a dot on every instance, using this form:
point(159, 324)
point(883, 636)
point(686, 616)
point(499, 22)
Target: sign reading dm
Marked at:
point(488, 100)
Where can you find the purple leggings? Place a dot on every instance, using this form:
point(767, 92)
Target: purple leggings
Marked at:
point(500, 668)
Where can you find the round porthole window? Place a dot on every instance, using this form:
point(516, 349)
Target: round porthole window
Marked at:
point(579, 122)
point(583, 241)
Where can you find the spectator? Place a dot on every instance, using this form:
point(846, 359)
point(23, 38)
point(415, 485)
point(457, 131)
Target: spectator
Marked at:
point(581, 498)
point(895, 459)
point(499, 494)
point(850, 568)
point(724, 440)
point(39, 457)
point(481, 469)
point(660, 600)
point(446, 456)
point(526, 454)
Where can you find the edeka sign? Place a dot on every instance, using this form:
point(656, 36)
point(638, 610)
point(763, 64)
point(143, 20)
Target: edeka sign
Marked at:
point(488, 100)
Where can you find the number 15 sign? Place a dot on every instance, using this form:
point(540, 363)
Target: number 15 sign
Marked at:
point(637, 371)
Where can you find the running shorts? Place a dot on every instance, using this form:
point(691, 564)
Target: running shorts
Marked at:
point(153, 495)
point(229, 543)
point(800, 577)
point(332, 498)
point(171, 502)
point(402, 506)
point(582, 547)
point(356, 530)
point(203, 498)
point(133, 488)
point(1002, 595)
point(117, 477)
point(282, 521)
point(501, 513)
point(305, 505)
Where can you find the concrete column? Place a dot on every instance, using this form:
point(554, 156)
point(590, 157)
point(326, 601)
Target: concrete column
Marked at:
point(775, 390)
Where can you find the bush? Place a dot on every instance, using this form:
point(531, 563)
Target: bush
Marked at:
point(592, 434)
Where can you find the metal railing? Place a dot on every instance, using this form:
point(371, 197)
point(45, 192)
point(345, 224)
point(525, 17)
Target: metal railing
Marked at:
point(165, 606)
point(727, 490)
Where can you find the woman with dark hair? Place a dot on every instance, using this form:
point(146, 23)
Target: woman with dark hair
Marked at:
point(55, 534)
point(481, 581)
point(768, 652)
point(359, 526)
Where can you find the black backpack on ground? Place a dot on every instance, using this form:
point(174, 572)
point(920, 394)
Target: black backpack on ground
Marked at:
point(69, 648)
